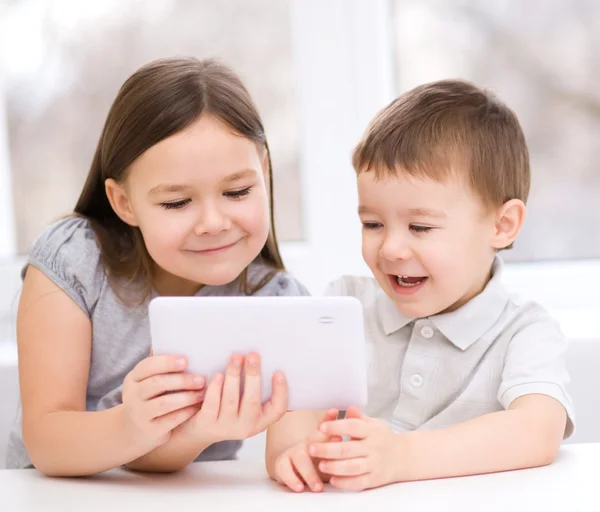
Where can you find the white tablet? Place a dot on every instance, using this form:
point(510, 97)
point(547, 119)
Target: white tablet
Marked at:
point(318, 342)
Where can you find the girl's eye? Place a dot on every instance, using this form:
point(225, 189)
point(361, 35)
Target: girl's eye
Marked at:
point(234, 194)
point(175, 205)
point(420, 229)
point(371, 225)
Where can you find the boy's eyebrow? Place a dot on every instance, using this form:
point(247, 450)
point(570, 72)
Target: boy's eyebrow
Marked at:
point(415, 212)
point(427, 212)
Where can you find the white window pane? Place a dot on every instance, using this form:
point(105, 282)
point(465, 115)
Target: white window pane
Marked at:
point(62, 62)
point(541, 59)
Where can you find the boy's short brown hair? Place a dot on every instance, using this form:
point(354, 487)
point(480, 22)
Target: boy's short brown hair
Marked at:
point(450, 128)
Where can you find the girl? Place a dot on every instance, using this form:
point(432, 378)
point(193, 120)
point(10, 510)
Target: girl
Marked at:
point(178, 201)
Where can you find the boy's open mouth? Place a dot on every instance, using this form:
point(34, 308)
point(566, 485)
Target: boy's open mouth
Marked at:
point(409, 282)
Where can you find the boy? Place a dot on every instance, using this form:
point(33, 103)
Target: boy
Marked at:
point(462, 379)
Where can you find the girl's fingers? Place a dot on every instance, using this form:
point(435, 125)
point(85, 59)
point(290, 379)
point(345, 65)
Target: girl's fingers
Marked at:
point(230, 400)
point(157, 365)
point(159, 384)
point(251, 406)
point(212, 398)
point(170, 402)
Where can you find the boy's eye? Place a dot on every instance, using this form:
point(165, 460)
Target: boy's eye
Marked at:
point(420, 229)
point(234, 194)
point(175, 205)
point(371, 225)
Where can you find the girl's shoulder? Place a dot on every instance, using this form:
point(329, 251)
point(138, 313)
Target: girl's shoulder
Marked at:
point(276, 283)
point(68, 254)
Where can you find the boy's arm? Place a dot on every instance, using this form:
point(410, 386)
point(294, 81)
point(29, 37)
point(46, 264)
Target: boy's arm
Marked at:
point(290, 430)
point(526, 435)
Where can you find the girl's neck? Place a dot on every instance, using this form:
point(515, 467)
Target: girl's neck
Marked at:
point(167, 284)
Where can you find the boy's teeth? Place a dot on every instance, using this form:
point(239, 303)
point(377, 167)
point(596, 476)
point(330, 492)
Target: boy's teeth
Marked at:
point(408, 281)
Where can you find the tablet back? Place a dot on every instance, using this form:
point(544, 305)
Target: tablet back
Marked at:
point(318, 342)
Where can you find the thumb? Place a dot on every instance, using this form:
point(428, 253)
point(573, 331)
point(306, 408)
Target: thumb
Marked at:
point(329, 415)
point(353, 412)
point(318, 436)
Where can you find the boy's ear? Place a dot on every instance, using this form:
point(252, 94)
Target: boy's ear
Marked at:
point(508, 223)
point(119, 200)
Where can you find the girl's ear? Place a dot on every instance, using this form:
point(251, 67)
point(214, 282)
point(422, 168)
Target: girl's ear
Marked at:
point(119, 200)
point(266, 162)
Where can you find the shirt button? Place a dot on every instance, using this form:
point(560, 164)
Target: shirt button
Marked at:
point(416, 380)
point(427, 332)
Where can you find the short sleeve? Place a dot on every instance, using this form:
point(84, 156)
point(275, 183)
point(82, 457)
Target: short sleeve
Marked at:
point(361, 287)
point(68, 254)
point(280, 285)
point(337, 288)
point(536, 364)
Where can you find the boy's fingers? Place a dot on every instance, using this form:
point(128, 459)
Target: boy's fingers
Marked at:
point(347, 467)
point(356, 428)
point(336, 450)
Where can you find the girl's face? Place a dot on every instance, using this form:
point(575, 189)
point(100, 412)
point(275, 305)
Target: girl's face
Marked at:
point(200, 200)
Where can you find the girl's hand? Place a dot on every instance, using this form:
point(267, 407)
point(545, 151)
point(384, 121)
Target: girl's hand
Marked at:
point(157, 397)
point(225, 416)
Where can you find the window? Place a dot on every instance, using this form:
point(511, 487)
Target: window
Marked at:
point(62, 62)
point(541, 58)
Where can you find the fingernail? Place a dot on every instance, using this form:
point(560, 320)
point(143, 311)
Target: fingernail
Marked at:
point(323, 428)
point(218, 377)
point(312, 450)
point(299, 487)
point(237, 362)
point(280, 378)
point(199, 381)
point(323, 466)
point(200, 394)
point(318, 487)
point(180, 361)
point(252, 362)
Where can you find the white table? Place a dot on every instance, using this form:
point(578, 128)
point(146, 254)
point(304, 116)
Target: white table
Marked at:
point(571, 484)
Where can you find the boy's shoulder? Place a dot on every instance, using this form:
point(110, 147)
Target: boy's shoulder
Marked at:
point(364, 288)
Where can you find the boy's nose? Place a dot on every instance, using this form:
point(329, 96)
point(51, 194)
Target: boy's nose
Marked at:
point(395, 249)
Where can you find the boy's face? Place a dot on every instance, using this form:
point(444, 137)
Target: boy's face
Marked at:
point(430, 245)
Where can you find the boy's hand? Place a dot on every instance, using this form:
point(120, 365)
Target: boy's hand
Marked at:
point(295, 467)
point(224, 415)
point(370, 459)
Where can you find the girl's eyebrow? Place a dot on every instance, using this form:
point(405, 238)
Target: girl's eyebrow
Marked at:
point(174, 187)
point(168, 187)
point(240, 175)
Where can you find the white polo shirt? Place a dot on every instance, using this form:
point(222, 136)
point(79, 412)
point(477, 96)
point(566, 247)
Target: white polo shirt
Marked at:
point(428, 373)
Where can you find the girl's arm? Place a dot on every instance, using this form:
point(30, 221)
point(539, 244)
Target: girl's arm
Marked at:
point(62, 439)
point(290, 430)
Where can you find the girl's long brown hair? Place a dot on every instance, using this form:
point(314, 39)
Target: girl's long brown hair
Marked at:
point(157, 101)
